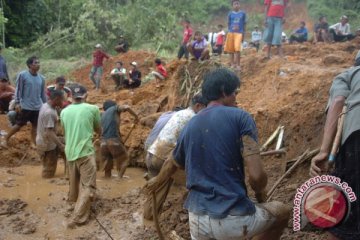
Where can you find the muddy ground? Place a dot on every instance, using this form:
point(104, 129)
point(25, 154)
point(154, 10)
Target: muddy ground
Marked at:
point(291, 92)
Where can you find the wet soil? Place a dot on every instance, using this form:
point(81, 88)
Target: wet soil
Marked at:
point(291, 92)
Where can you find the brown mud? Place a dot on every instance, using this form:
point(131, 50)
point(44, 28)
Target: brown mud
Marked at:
point(291, 92)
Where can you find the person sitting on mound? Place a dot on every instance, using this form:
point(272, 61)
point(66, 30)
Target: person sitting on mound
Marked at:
point(135, 77)
point(160, 73)
point(199, 47)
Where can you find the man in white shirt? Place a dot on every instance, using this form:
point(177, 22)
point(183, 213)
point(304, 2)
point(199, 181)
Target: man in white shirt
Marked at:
point(163, 146)
point(118, 74)
point(340, 31)
point(256, 37)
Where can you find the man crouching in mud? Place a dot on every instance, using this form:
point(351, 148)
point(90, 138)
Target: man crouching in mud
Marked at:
point(213, 148)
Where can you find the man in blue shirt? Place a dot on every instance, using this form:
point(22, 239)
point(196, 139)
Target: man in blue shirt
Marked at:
point(214, 148)
point(3, 68)
point(29, 97)
point(300, 35)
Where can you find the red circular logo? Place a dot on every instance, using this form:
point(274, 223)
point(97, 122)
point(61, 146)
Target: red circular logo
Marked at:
point(325, 206)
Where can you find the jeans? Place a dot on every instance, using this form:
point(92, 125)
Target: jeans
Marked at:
point(95, 75)
point(272, 34)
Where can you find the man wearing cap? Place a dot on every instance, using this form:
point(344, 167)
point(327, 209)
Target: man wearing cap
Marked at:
point(80, 120)
point(135, 77)
point(97, 67)
point(340, 31)
point(3, 68)
point(6, 93)
point(60, 85)
point(29, 97)
point(48, 144)
point(345, 90)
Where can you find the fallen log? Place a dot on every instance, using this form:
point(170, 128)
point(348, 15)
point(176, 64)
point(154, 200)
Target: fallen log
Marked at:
point(270, 139)
point(273, 152)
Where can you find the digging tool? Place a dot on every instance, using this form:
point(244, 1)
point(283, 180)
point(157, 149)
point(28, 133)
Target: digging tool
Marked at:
point(128, 135)
point(270, 139)
point(337, 139)
point(156, 217)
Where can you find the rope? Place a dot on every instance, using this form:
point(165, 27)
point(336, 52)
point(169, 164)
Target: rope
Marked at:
point(102, 226)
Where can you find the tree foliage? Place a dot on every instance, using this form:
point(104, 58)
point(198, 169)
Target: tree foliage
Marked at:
point(333, 10)
point(64, 28)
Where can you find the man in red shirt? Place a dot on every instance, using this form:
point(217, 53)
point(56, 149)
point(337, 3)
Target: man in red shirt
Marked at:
point(274, 19)
point(6, 93)
point(160, 73)
point(97, 68)
point(220, 40)
point(186, 39)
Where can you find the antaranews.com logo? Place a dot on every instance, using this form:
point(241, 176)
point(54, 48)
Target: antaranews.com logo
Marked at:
point(323, 201)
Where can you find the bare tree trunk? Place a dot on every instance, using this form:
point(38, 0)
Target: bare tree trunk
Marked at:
point(59, 17)
point(3, 24)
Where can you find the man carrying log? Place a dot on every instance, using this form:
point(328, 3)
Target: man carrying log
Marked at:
point(162, 147)
point(112, 148)
point(345, 90)
point(213, 149)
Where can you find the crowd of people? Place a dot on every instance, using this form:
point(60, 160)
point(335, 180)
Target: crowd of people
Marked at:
point(212, 139)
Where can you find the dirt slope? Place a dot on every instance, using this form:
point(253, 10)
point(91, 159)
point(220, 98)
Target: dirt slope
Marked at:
point(291, 92)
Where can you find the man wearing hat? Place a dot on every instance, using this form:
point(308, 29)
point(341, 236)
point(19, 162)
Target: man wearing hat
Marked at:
point(97, 67)
point(340, 31)
point(6, 93)
point(345, 90)
point(80, 120)
point(135, 77)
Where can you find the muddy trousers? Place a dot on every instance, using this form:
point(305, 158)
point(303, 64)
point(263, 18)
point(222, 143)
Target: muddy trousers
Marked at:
point(161, 194)
point(82, 175)
point(154, 165)
point(49, 161)
point(113, 150)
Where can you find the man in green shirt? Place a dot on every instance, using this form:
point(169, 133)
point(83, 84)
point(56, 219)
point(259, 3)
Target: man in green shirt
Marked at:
point(80, 120)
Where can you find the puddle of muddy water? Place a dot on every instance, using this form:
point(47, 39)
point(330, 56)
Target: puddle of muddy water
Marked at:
point(46, 199)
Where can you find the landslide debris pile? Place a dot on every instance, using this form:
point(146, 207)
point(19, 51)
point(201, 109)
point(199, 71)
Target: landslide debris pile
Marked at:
point(291, 92)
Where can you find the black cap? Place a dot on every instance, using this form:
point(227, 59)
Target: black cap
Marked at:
point(78, 91)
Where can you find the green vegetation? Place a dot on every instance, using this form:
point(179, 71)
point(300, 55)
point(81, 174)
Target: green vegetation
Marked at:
point(62, 29)
point(333, 10)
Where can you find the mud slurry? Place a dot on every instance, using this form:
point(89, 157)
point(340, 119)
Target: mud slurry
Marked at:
point(291, 92)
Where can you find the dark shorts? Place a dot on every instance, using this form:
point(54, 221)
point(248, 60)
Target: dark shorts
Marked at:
point(4, 104)
point(218, 49)
point(347, 168)
point(27, 116)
